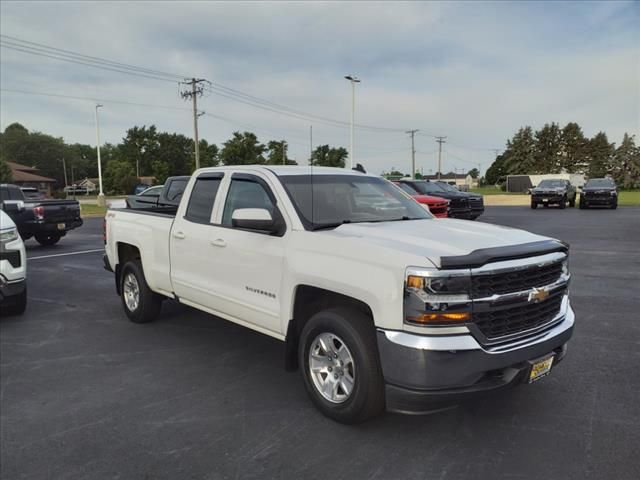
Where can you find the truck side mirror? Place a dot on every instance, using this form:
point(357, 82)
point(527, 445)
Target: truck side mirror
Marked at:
point(13, 206)
point(254, 219)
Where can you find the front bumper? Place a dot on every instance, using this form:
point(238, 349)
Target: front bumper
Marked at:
point(599, 200)
point(550, 198)
point(424, 373)
point(11, 289)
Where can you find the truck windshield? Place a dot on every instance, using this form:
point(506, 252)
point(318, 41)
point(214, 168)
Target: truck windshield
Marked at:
point(428, 188)
point(551, 184)
point(327, 201)
point(599, 182)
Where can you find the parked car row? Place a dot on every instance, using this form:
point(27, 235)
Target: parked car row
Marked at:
point(596, 192)
point(460, 204)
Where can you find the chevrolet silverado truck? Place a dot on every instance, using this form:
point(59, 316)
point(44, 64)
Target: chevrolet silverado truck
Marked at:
point(599, 192)
point(13, 268)
point(46, 220)
point(558, 192)
point(379, 305)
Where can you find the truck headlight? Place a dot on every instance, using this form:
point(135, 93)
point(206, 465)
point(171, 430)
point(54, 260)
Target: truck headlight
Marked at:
point(8, 235)
point(437, 297)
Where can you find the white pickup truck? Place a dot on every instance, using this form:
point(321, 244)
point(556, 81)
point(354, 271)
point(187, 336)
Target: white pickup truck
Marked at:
point(379, 303)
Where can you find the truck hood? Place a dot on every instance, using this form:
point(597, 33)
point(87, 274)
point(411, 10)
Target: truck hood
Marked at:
point(434, 238)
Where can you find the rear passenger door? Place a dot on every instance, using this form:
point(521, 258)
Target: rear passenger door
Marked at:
point(191, 262)
point(247, 278)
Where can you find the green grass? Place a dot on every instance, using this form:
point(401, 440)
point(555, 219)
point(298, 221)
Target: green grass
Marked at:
point(629, 197)
point(93, 210)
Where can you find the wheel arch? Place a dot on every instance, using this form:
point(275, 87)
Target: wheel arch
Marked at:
point(309, 300)
point(126, 252)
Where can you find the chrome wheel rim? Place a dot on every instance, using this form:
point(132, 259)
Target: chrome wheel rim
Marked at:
point(332, 368)
point(131, 292)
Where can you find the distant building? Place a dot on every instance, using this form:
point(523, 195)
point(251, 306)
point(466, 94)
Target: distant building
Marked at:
point(460, 180)
point(25, 176)
point(522, 183)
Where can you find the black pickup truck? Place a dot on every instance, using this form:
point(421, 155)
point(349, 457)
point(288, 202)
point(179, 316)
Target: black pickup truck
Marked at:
point(46, 220)
point(167, 195)
point(463, 205)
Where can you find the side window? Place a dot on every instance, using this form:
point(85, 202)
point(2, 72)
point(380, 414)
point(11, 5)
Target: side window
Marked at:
point(4, 194)
point(246, 194)
point(15, 193)
point(202, 197)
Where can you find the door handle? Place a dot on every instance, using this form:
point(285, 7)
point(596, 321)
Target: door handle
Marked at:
point(218, 242)
point(179, 235)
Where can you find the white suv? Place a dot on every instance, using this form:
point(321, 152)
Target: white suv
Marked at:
point(13, 268)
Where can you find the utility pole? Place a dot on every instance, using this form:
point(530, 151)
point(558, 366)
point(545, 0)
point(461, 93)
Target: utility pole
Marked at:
point(440, 141)
point(353, 79)
point(413, 152)
point(101, 199)
point(64, 167)
point(197, 90)
point(284, 152)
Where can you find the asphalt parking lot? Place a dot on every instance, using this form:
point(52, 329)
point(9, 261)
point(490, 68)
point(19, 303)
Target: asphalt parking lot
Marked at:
point(87, 394)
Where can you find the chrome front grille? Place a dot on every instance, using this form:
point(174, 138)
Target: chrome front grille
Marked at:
point(515, 280)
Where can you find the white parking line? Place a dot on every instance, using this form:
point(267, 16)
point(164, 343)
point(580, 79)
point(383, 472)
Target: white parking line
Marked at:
point(65, 254)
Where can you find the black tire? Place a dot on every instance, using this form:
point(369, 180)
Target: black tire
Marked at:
point(572, 203)
point(48, 239)
point(357, 332)
point(582, 206)
point(149, 303)
point(563, 203)
point(614, 206)
point(534, 205)
point(17, 305)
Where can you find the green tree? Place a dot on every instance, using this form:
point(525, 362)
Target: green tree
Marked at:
point(496, 172)
point(474, 172)
point(626, 163)
point(118, 177)
point(574, 148)
point(208, 155)
point(548, 148)
point(5, 171)
point(600, 155)
point(243, 149)
point(325, 156)
point(140, 147)
point(34, 149)
point(518, 157)
point(278, 152)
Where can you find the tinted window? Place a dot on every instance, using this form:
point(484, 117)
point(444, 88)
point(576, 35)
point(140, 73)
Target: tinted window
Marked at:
point(246, 194)
point(4, 194)
point(202, 197)
point(176, 189)
point(407, 188)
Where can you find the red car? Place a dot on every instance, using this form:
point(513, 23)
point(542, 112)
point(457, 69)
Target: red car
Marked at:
point(437, 206)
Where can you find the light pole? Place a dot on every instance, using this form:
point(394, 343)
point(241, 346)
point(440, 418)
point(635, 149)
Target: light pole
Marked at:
point(101, 200)
point(284, 152)
point(353, 79)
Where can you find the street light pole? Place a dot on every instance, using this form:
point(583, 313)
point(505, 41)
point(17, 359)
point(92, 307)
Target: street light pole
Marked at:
point(101, 200)
point(353, 79)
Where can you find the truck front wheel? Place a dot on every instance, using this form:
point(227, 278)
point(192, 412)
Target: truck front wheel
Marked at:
point(140, 303)
point(338, 353)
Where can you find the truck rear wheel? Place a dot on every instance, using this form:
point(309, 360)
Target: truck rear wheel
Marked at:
point(140, 303)
point(338, 355)
point(16, 305)
point(47, 239)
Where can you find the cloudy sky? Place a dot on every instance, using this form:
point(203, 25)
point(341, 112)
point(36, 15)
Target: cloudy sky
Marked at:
point(474, 71)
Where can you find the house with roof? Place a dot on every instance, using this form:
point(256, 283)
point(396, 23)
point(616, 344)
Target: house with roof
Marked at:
point(25, 176)
point(460, 180)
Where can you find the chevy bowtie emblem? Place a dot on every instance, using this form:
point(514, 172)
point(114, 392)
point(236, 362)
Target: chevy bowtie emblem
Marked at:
point(538, 295)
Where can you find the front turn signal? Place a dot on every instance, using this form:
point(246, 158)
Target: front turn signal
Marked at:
point(440, 317)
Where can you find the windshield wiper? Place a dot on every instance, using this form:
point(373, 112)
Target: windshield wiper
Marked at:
point(329, 226)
